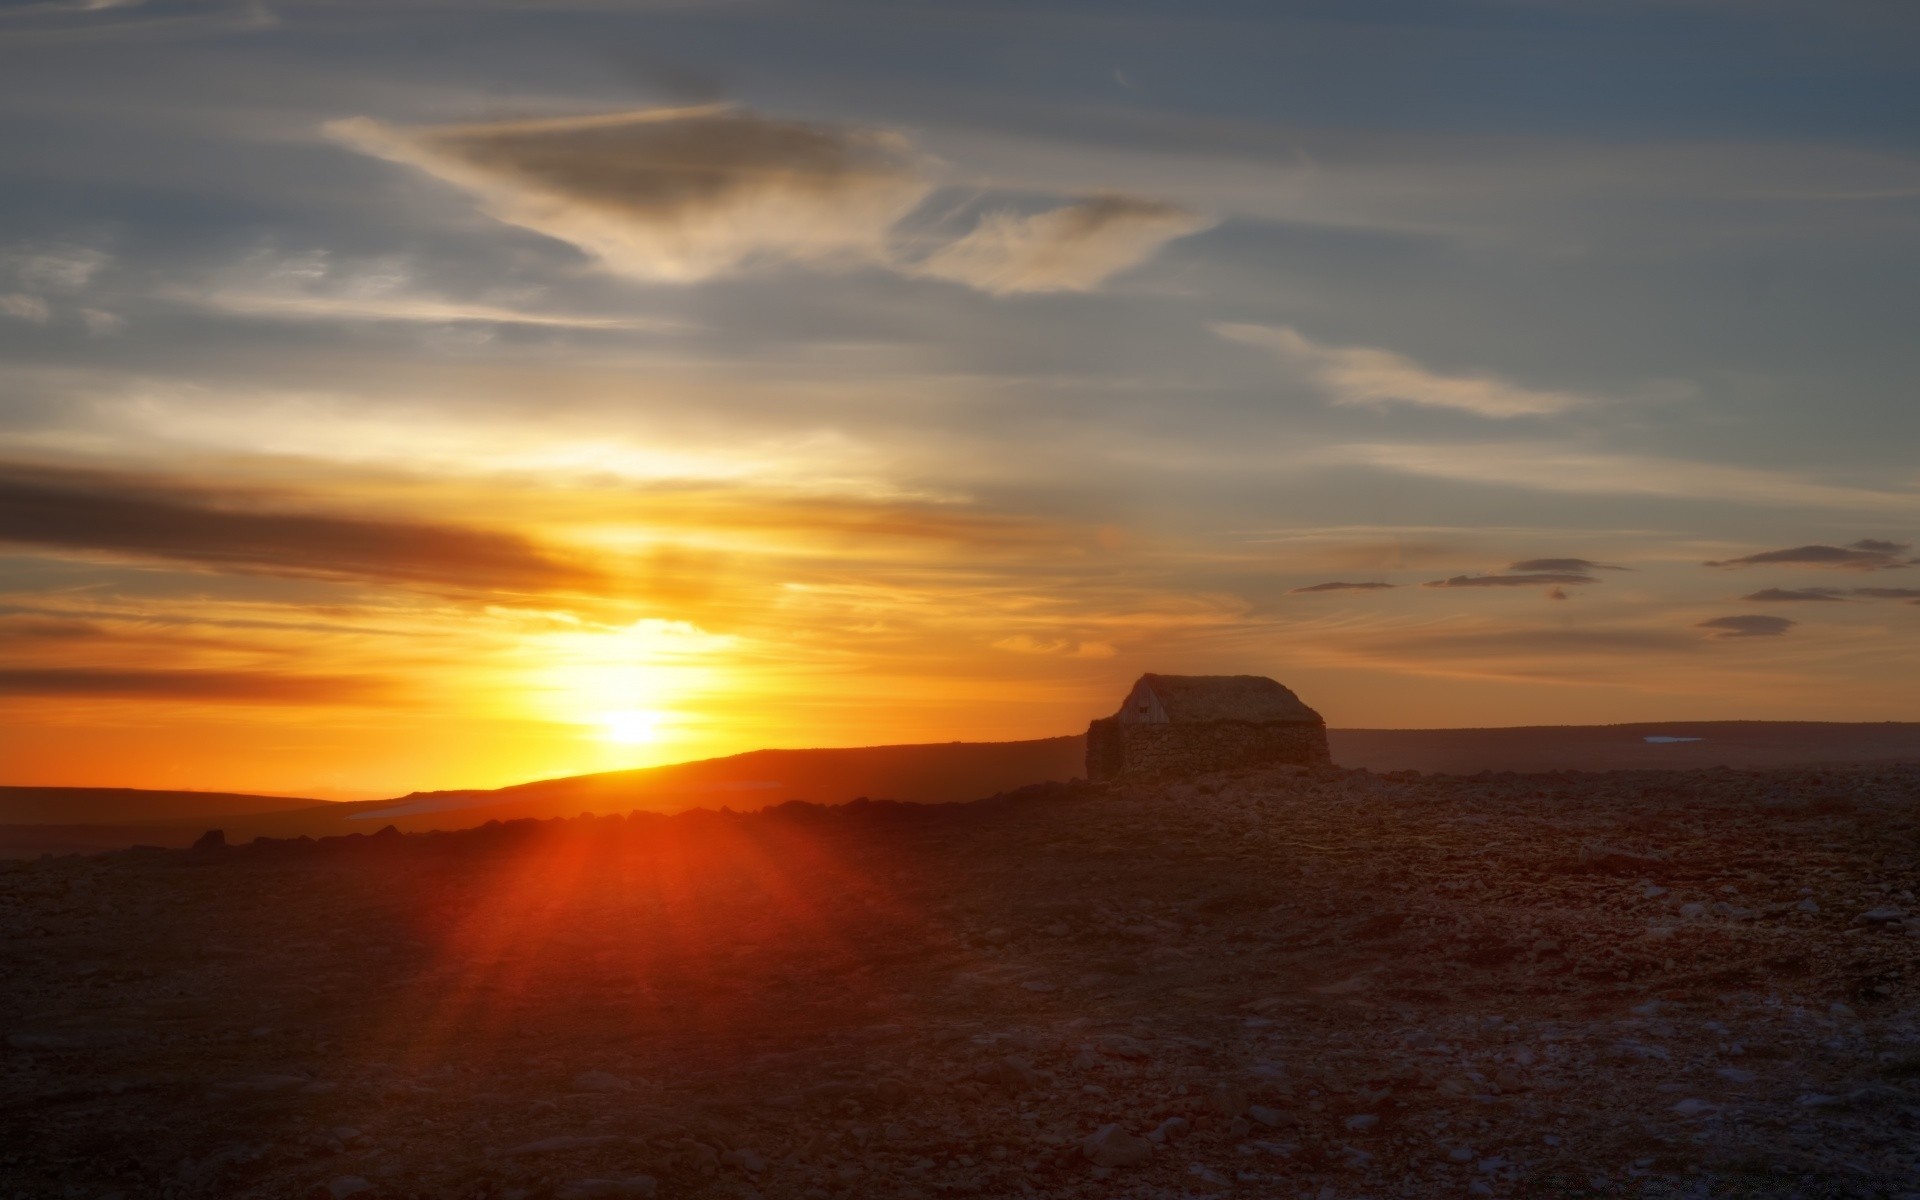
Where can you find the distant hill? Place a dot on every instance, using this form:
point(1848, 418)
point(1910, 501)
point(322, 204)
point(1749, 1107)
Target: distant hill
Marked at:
point(67, 820)
point(932, 773)
point(114, 806)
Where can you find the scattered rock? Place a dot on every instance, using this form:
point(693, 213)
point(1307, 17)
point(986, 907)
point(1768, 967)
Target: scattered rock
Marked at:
point(1112, 1146)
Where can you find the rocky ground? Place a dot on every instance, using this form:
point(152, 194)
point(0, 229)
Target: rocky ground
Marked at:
point(1328, 984)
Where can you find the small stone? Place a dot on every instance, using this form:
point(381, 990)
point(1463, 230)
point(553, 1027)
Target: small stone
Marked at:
point(1880, 916)
point(1171, 1130)
point(1461, 1154)
point(750, 1161)
point(1119, 1045)
point(1267, 1116)
point(347, 1185)
point(1693, 1108)
point(1112, 1146)
point(1208, 1175)
point(1809, 905)
point(1014, 1075)
point(1227, 1100)
point(1358, 1123)
point(600, 1081)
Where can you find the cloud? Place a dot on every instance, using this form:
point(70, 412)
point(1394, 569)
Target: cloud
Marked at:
point(22, 307)
point(1338, 587)
point(1556, 593)
point(1574, 565)
point(1369, 376)
point(237, 687)
point(1749, 626)
point(1072, 249)
point(1531, 579)
point(674, 194)
point(425, 310)
point(1551, 467)
point(60, 266)
point(153, 518)
point(1867, 554)
point(1887, 593)
point(1783, 595)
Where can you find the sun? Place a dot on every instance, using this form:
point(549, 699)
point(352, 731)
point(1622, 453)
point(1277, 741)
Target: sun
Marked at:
point(631, 727)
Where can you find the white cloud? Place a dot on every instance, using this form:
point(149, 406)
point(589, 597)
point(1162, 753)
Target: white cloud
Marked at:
point(674, 194)
point(1369, 376)
point(1071, 249)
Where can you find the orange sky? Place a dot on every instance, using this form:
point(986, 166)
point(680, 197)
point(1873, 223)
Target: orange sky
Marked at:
point(374, 421)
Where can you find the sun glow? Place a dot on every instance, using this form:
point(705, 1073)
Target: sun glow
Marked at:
point(632, 727)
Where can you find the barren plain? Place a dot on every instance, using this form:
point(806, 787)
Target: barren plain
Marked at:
point(1326, 984)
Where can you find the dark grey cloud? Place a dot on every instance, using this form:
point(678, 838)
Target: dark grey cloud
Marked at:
point(150, 517)
point(1887, 593)
point(1747, 626)
point(1579, 566)
point(239, 687)
point(1529, 579)
point(1339, 586)
point(1784, 595)
point(1867, 554)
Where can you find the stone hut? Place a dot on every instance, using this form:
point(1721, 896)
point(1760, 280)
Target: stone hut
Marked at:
point(1191, 724)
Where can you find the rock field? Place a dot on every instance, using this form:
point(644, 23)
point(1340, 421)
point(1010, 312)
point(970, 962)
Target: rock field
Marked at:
point(1325, 984)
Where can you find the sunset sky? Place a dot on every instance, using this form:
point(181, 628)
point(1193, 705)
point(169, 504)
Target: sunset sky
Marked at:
point(413, 394)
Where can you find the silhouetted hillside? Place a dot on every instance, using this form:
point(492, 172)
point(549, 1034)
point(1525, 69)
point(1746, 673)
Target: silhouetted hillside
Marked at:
point(93, 819)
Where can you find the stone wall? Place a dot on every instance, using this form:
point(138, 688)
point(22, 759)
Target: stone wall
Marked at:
point(1106, 748)
point(1157, 751)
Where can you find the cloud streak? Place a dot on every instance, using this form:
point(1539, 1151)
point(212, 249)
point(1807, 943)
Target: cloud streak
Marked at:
point(148, 517)
point(1071, 249)
point(1530, 579)
point(1371, 377)
point(216, 686)
point(1867, 554)
point(1747, 626)
point(1339, 586)
point(1552, 467)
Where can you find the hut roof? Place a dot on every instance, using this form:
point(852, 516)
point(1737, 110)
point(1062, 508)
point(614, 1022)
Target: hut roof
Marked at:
point(1193, 698)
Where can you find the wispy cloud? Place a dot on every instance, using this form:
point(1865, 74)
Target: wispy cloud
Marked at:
point(1338, 586)
point(424, 310)
point(150, 517)
point(1747, 626)
point(1072, 249)
point(674, 194)
point(1576, 565)
point(1530, 579)
point(1804, 595)
point(1371, 376)
point(1796, 595)
point(1551, 467)
point(218, 686)
point(24, 307)
point(1867, 554)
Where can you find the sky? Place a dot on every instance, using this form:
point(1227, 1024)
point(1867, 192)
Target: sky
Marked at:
point(413, 394)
